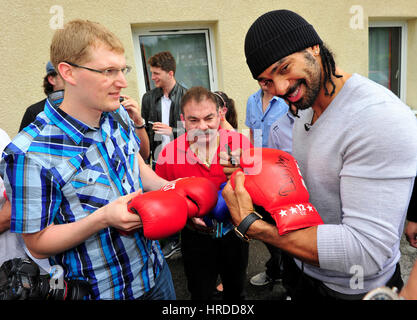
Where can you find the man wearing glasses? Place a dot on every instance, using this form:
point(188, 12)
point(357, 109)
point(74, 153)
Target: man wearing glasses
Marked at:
point(71, 173)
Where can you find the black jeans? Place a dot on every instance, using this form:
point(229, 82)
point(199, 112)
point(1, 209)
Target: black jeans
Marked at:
point(205, 258)
point(302, 287)
point(274, 265)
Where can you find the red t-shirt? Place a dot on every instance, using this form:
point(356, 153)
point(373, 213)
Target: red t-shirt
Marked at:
point(177, 160)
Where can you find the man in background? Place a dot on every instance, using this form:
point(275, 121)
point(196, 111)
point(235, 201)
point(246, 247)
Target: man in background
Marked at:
point(161, 111)
point(262, 110)
point(53, 86)
point(161, 105)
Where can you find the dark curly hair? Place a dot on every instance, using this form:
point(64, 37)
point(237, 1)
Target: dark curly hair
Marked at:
point(329, 67)
point(47, 86)
point(329, 70)
point(164, 60)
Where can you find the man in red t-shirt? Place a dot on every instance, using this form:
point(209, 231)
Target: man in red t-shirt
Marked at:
point(208, 248)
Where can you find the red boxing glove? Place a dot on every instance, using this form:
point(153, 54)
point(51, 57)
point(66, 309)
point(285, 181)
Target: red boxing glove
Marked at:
point(165, 212)
point(274, 182)
point(162, 213)
point(200, 193)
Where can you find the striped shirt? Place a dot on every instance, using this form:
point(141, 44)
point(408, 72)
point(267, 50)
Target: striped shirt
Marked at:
point(59, 170)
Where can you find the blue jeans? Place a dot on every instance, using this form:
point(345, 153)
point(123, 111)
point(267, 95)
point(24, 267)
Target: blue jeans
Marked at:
point(164, 287)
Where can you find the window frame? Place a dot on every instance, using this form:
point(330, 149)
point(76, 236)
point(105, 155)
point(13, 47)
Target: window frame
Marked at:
point(404, 39)
point(211, 52)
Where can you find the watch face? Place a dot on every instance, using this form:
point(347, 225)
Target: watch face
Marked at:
point(383, 293)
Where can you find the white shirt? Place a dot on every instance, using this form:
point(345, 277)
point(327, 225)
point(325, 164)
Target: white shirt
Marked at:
point(165, 110)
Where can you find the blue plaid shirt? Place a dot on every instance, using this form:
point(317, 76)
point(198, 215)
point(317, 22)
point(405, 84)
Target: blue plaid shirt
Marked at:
point(58, 170)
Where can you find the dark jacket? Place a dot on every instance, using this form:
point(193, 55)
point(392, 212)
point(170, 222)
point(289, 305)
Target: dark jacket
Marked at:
point(31, 113)
point(55, 98)
point(151, 111)
point(412, 207)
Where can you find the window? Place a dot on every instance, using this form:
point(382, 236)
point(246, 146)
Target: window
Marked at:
point(192, 49)
point(387, 55)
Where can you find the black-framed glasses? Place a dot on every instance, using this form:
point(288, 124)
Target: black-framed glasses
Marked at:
point(110, 72)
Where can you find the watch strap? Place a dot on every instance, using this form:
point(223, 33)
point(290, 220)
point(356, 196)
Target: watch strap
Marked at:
point(244, 225)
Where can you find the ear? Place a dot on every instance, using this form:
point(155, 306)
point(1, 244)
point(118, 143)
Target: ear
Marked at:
point(52, 80)
point(171, 73)
point(66, 72)
point(316, 50)
point(182, 119)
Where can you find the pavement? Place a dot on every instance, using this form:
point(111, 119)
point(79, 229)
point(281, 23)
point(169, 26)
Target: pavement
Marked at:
point(258, 255)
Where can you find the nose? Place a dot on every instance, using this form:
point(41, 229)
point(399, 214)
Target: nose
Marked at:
point(203, 125)
point(280, 87)
point(121, 80)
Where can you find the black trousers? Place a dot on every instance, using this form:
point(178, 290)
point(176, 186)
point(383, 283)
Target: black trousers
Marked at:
point(274, 265)
point(302, 287)
point(205, 258)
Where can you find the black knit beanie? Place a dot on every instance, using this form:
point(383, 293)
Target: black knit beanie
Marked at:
point(274, 35)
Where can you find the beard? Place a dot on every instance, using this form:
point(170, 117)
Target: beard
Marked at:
point(312, 86)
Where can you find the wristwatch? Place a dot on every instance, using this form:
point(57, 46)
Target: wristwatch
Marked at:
point(383, 293)
point(244, 225)
point(141, 126)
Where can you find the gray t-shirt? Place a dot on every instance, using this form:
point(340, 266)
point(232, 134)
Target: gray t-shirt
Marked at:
point(358, 160)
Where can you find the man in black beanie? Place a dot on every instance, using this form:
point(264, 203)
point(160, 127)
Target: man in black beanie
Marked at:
point(356, 146)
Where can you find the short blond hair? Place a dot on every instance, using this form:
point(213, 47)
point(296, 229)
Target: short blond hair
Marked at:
point(73, 42)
